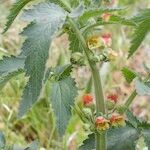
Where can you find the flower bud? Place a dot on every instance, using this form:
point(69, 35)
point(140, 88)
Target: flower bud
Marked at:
point(88, 100)
point(102, 123)
point(113, 98)
point(77, 58)
point(94, 42)
point(110, 105)
point(117, 120)
point(106, 16)
point(106, 38)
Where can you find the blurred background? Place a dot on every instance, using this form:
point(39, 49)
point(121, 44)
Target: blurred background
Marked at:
point(39, 123)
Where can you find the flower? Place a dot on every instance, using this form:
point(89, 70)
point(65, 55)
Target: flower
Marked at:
point(117, 120)
point(106, 16)
point(113, 98)
point(112, 54)
point(106, 38)
point(102, 123)
point(94, 42)
point(88, 100)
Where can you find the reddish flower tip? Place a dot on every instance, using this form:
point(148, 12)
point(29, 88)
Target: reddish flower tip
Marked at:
point(87, 99)
point(113, 97)
point(106, 39)
point(106, 16)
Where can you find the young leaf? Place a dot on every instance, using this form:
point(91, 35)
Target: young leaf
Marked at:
point(63, 94)
point(46, 19)
point(2, 141)
point(140, 33)
point(15, 10)
point(142, 88)
point(89, 143)
point(128, 74)
point(146, 133)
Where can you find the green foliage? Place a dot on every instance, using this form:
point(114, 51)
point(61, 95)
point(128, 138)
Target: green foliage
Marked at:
point(75, 45)
point(62, 97)
point(96, 12)
point(143, 27)
point(89, 143)
point(140, 33)
point(146, 133)
point(128, 74)
point(117, 139)
point(142, 88)
point(15, 10)
point(10, 67)
point(46, 19)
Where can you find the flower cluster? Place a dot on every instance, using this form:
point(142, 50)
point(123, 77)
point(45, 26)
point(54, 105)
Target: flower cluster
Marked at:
point(102, 123)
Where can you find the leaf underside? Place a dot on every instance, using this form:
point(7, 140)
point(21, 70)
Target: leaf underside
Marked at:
point(46, 19)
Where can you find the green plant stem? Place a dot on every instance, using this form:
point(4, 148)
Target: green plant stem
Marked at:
point(100, 105)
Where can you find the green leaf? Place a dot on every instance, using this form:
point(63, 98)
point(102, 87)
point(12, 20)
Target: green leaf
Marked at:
point(122, 138)
point(146, 133)
point(10, 67)
point(142, 88)
point(75, 45)
point(139, 35)
point(62, 72)
point(2, 141)
point(77, 11)
point(128, 74)
point(96, 12)
point(89, 143)
point(15, 10)
point(46, 19)
point(63, 94)
point(133, 120)
point(142, 15)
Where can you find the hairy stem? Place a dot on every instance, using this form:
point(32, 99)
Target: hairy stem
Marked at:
point(100, 105)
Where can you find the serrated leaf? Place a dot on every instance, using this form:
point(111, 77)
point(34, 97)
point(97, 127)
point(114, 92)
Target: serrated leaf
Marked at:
point(142, 88)
point(146, 133)
point(62, 72)
point(75, 45)
point(141, 16)
point(128, 74)
point(10, 67)
point(89, 143)
point(11, 64)
point(77, 11)
point(2, 141)
point(62, 97)
point(15, 10)
point(139, 35)
point(96, 12)
point(133, 120)
point(123, 138)
point(46, 19)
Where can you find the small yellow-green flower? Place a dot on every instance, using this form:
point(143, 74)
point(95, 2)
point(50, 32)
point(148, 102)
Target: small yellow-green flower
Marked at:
point(117, 120)
point(94, 42)
point(102, 123)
